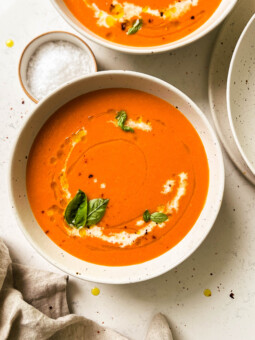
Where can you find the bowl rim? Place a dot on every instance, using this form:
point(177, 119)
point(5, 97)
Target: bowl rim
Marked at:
point(163, 269)
point(228, 94)
point(39, 37)
point(144, 50)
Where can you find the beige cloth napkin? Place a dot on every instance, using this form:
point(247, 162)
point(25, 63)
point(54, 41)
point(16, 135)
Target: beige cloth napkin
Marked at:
point(33, 306)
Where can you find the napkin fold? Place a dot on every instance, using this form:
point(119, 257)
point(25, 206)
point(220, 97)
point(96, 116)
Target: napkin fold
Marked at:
point(33, 305)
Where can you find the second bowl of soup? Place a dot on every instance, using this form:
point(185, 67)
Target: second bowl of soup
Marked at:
point(144, 26)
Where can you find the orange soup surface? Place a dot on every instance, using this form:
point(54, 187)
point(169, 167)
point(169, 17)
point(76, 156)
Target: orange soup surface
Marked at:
point(142, 22)
point(157, 164)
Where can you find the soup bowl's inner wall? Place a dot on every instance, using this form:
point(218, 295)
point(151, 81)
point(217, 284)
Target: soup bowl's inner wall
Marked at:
point(218, 16)
point(89, 271)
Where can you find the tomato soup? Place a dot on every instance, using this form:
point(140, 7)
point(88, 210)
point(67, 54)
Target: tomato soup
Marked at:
point(140, 165)
point(142, 22)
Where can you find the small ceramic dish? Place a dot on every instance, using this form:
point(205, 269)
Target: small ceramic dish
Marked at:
point(241, 94)
point(218, 16)
point(30, 49)
point(107, 274)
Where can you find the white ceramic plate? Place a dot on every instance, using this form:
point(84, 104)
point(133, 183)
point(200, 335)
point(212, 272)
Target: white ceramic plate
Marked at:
point(218, 73)
point(218, 16)
point(241, 94)
point(98, 273)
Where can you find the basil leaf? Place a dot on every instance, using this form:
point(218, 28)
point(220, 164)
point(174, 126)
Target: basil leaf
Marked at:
point(158, 217)
point(122, 117)
point(128, 129)
point(96, 210)
point(76, 210)
point(137, 25)
point(146, 216)
point(81, 215)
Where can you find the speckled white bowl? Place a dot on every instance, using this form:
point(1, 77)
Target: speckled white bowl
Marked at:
point(93, 272)
point(218, 16)
point(241, 94)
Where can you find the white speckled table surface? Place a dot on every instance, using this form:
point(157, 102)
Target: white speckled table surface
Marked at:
point(224, 263)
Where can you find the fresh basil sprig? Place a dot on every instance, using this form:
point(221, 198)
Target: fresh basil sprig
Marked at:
point(146, 216)
point(76, 210)
point(156, 217)
point(121, 118)
point(96, 210)
point(137, 25)
point(80, 212)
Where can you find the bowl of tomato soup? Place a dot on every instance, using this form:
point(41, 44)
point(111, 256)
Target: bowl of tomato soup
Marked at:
point(143, 26)
point(116, 177)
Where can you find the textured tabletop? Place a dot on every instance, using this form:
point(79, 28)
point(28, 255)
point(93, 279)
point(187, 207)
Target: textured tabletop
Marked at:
point(224, 263)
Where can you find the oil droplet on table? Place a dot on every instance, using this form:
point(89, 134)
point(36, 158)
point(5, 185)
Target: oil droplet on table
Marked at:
point(207, 293)
point(9, 43)
point(95, 291)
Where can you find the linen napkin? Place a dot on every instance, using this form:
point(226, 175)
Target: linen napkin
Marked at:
point(33, 306)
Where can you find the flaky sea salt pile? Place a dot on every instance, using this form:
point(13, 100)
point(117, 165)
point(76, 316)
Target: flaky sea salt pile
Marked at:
point(55, 63)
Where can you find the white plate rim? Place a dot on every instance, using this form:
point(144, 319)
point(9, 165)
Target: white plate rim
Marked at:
point(230, 117)
point(213, 94)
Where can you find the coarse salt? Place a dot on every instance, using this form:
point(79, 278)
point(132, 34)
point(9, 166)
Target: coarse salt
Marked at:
point(53, 64)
